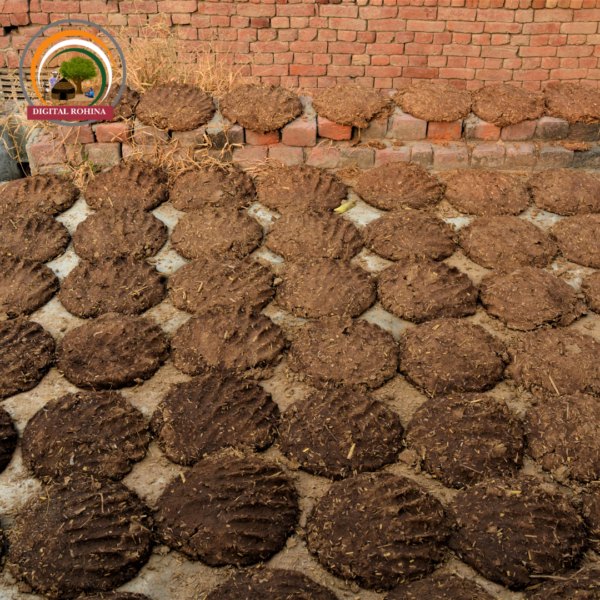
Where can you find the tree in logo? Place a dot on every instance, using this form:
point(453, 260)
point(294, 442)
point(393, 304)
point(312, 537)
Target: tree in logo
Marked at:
point(78, 70)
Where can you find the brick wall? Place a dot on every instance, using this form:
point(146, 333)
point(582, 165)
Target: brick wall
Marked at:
point(381, 43)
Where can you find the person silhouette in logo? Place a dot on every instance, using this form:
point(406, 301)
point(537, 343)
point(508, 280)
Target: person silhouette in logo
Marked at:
point(53, 79)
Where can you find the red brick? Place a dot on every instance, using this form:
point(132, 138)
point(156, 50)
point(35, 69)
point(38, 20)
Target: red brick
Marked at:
point(333, 131)
point(308, 70)
point(487, 156)
point(452, 73)
point(286, 155)
point(256, 10)
point(553, 15)
point(406, 127)
point(417, 13)
point(445, 131)
point(499, 16)
point(250, 156)
point(476, 129)
point(456, 14)
point(323, 157)
point(340, 10)
point(350, 24)
point(260, 22)
point(301, 132)
point(520, 132)
point(177, 6)
point(82, 134)
point(112, 132)
point(421, 73)
point(450, 157)
point(20, 6)
point(138, 6)
point(392, 155)
point(104, 155)
point(378, 12)
point(520, 156)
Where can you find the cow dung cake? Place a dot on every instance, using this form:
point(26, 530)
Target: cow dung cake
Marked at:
point(464, 438)
point(421, 290)
point(216, 231)
point(530, 297)
point(98, 434)
point(409, 233)
point(339, 351)
point(451, 355)
point(378, 529)
point(512, 529)
point(119, 232)
point(505, 105)
point(118, 596)
point(574, 102)
point(434, 101)
point(439, 586)
point(212, 281)
point(229, 509)
point(119, 285)
point(80, 538)
point(395, 186)
point(8, 439)
point(579, 239)
point(338, 433)
point(590, 510)
point(582, 584)
point(486, 193)
point(261, 108)
point(112, 351)
point(311, 235)
point(128, 102)
point(324, 287)
point(211, 412)
point(566, 192)
point(301, 188)
point(506, 243)
point(591, 289)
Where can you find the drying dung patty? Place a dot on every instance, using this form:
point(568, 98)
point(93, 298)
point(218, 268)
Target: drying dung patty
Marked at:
point(301, 188)
point(421, 290)
point(583, 584)
point(80, 538)
point(505, 105)
point(353, 105)
point(120, 285)
point(175, 107)
point(511, 529)
point(464, 438)
point(530, 297)
point(591, 288)
point(212, 412)
point(590, 510)
point(195, 190)
point(26, 353)
point(409, 233)
point(434, 101)
point(451, 355)
point(558, 361)
point(119, 232)
point(229, 509)
point(579, 239)
point(506, 243)
point(231, 340)
point(134, 185)
point(379, 529)
point(8, 439)
point(324, 287)
point(216, 231)
point(336, 351)
point(314, 235)
point(575, 102)
point(128, 102)
point(261, 108)
point(112, 351)
point(395, 186)
point(566, 191)
point(210, 282)
point(98, 434)
point(338, 433)
point(486, 193)
point(439, 586)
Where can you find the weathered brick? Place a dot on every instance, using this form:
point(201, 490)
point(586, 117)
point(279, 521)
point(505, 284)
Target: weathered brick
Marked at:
point(451, 156)
point(584, 132)
point(520, 156)
point(481, 131)
point(81, 134)
point(361, 157)
point(104, 155)
point(333, 131)
point(190, 138)
point(554, 156)
point(550, 128)
point(487, 156)
point(323, 157)
point(422, 154)
point(406, 127)
point(445, 131)
point(587, 160)
point(300, 132)
point(392, 155)
point(148, 135)
point(254, 138)
point(112, 132)
point(287, 155)
point(250, 156)
point(376, 130)
point(46, 153)
point(519, 132)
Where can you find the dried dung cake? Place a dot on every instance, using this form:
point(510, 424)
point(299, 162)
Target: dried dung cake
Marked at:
point(506, 243)
point(566, 191)
point(212, 412)
point(35, 236)
point(112, 351)
point(231, 340)
point(118, 596)
point(338, 433)
point(314, 235)
point(406, 234)
point(229, 509)
point(261, 108)
point(128, 102)
point(529, 297)
point(8, 439)
point(325, 287)
point(216, 231)
point(80, 538)
point(175, 107)
point(134, 185)
point(120, 285)
point(434, 101)
point(351, 105)
point(591, 288)
point(395, 186)
point(590, 510)
point(119, 232)
point(378, 529)
point(505, 105)
point(421, 290)
point(486, 193)
point(339, 351)
point(574, 102)
point(583, 584)
point(464, 438)
point(558, 361)
point(301, 188)
point(440, 586)
point(512, 529)
point(230, 189)
point(579, 239)
point(210, 282)
point(451, 355)
point(98, 434)
point(26, 354)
